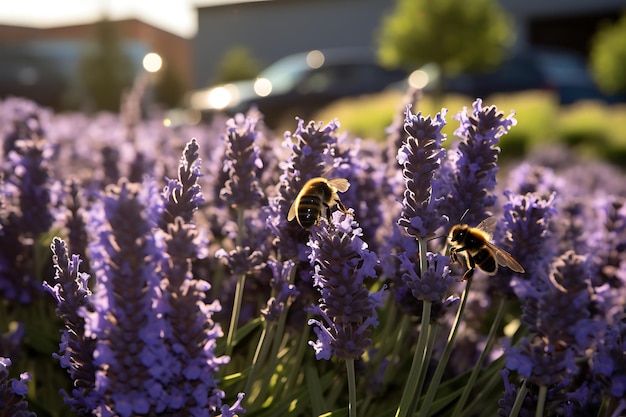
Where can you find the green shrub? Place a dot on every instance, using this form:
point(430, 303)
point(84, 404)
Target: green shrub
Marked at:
point(591, 127)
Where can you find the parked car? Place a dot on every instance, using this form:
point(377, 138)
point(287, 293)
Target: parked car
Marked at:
point(299, 84)
point(562, 72)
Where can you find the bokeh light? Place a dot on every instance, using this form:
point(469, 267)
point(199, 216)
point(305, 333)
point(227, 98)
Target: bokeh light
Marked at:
point(315, 59)
point(152, 62)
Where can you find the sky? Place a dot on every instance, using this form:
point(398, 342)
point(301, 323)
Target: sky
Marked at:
point(176, 16)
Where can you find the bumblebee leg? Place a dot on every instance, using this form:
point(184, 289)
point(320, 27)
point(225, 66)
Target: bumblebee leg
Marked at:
point(341, 206)
point(470, 272)
point(454, 257)
point(328, 213)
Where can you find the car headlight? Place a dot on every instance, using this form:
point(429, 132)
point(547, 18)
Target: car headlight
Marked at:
point(217, 98)
point(223, 96)
point(262, 87)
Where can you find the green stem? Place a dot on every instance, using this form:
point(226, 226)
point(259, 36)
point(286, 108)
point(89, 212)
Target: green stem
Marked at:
point(432, 334)
point(240, 226)
point(519, 400)
point(292, 378)
point(238, 301)
point(403, 327)
point(351, 388)
point(417, 367)
point(234, 318)
point(259, 356)
point(443, 361)
point(278, 335)
point(541, 400)
point(484, 395)
point(478, 367)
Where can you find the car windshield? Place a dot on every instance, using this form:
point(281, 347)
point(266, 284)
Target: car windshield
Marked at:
point(564, 68)
point(285, 73)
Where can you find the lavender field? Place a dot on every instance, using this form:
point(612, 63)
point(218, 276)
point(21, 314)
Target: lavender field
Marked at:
point(149, 269)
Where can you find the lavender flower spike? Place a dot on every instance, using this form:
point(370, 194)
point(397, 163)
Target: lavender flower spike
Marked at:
point(342, 262)
point(283, 291)
point(13, 392)
point(132, 365)
point(420, 156)
point(433, 284)
point(72, 296)
point(242, 161)
point(470, 175)
point(182, 196)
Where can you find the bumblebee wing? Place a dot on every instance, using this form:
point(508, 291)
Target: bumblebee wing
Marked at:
point(505, 259)
point(340, 184)
point(293, 210)
point(488, 225)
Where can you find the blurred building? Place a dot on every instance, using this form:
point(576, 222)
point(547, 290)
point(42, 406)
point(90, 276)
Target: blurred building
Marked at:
point(276, 28)
point(568, 24)
point(43, 63)
point(272, 29)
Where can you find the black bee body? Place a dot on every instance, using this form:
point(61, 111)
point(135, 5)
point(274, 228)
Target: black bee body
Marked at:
point(473, 244)
point(485, 260)
point(310, 208)
point(315, 199)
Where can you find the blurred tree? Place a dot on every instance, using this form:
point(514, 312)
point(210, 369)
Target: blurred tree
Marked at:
point(169, 88)
point(237, 64)
point(608, 56)
point(105, 69)
point(457, 36)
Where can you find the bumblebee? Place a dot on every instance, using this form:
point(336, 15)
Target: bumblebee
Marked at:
point(479, 251)
point(316, 198)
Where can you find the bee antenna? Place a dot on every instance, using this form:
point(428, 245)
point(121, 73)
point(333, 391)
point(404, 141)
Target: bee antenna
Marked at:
point(463, 216)
point(435, 237)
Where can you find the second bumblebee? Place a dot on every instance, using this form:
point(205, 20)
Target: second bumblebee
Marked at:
point(479, 251)
point(316, 198)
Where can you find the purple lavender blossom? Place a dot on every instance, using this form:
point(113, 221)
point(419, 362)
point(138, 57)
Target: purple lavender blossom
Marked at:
point(76, 351)
point(342, 262)
point(126, 256)
point(31, 168)
point(241, 260)
point(75, 222)
point(554, 313)
point(431, 285)
point(27, 199)
point(25, 119)
point(17, 282)
point(182, 196)
point(191, 332)
point(505, 404)
point(242, 163)
point(233, 410)
point(524, 232)
point(283, 291)
point(155, 338)
point(529, 178)
point(110, 168)
point(420, 157)
point(568, 404)
point(469, 174)
point(605, 337)
point(310, 156)
point(610, 261)
point(542, 363)
point(11, 342)
point(567, 302)
point(13, 392)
